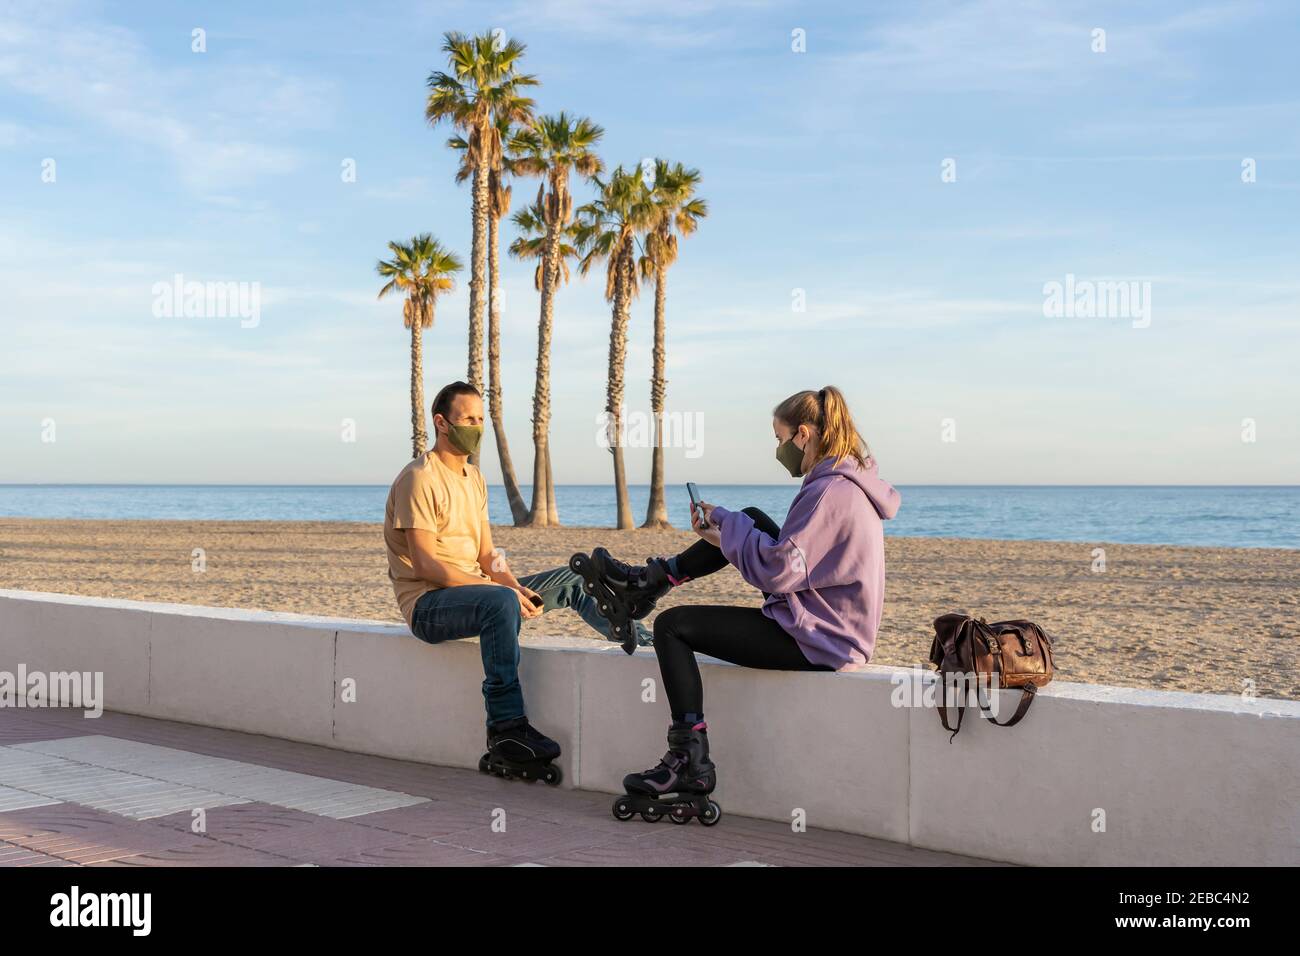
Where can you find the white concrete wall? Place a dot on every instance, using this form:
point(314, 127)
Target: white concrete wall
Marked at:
point(1182, 779)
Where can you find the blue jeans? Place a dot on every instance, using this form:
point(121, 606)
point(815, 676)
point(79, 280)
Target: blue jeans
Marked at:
point(492, 612)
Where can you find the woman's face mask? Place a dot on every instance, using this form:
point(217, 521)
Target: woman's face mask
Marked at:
point(791, 456)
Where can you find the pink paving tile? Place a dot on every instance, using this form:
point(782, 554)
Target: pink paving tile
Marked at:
point(201, 852)
point(20, 728)
point(659, 850)
point(416, 852)
point(81, 834)
point(776, 843)
point(292, 834)
point(11, 855)
point(526, 838)
point(434, 819)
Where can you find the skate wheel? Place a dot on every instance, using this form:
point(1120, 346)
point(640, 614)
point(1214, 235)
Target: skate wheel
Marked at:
point(483, 765)
point(623, 809)
point(680, 814)
point(711, 815)
point(651, 815)
point(575, 564)
point(589, 587)
point(552, 775)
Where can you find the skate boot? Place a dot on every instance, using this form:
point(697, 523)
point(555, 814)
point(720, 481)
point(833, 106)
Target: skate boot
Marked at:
point(517, 749)
point(624, 593)
point(679, 786)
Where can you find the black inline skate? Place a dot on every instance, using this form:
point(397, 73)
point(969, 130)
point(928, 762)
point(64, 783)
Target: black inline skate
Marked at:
point(517, 749)
point(624, 593)
point(679, 786)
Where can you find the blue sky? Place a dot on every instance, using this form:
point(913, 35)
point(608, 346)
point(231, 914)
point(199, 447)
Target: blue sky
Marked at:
point(823, 172)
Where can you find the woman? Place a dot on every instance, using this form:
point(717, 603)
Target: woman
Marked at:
point(822, 574)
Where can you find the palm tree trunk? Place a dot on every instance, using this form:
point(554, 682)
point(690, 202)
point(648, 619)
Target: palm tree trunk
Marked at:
point(539, 514)
point(518, 511)
point(478, 266)
point(656, 515)
point(553, 512)
point(419, 437)
point(614, 402)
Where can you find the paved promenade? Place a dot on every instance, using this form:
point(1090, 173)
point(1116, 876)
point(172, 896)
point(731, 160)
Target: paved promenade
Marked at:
point(132, 791)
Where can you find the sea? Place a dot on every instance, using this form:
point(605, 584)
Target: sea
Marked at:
point(1254, 516)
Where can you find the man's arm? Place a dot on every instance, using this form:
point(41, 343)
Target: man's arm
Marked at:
point(423, 546)
point(493, 562)
point(494, 565)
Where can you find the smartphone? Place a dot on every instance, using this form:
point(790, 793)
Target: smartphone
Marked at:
point(696, 516)
point(537, 600)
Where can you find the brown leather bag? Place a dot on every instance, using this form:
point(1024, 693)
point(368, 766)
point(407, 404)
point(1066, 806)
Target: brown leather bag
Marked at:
point(1018, 652)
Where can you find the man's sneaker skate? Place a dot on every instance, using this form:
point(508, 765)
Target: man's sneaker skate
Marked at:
point(517, 749)
point(624, 593)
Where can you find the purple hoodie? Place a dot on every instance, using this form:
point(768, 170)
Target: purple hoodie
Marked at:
point(826, 572)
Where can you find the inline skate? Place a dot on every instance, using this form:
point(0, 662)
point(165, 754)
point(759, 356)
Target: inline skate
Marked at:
point(517, 749)
point(679, 786)
point(624, 593)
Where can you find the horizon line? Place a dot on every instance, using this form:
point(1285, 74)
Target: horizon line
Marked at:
point(729, 484)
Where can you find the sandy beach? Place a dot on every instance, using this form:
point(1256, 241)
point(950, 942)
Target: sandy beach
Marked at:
point(1194, 619)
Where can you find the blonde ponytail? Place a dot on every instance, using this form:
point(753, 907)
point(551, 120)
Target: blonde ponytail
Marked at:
point(826, 411)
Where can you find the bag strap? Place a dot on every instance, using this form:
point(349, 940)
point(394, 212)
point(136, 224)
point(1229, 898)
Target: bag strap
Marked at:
point(950, 646)
point(943, 713)
point(1026, 698)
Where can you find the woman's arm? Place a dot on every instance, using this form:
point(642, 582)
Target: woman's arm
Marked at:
point(777, 566)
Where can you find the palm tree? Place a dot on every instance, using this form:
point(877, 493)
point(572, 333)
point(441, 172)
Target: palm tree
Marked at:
point(421, 269)
point(498, 205)
point(609, 228)
point(677, 211)
point(552, 148)
point(481, 89)
point(531, 243)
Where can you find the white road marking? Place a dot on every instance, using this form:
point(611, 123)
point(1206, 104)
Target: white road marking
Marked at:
point(142, 780)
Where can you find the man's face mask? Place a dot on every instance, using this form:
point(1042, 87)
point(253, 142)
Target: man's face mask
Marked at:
point(465, 438)
point(791, 456)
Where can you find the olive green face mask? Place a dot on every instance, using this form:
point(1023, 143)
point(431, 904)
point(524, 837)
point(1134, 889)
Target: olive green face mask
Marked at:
point(465, 438)
point(791, 456)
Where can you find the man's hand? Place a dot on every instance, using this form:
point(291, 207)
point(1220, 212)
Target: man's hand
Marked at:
point(526, 605)
point(709, 532)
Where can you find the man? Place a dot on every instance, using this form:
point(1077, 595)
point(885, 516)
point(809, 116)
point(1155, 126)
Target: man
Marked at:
point(451, 582)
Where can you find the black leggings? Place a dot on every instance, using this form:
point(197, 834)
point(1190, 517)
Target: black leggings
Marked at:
point(741, 635)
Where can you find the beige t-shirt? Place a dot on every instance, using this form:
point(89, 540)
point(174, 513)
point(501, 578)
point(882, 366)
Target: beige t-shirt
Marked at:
point(431, 497)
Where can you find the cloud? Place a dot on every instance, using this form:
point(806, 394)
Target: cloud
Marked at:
point(676, 24)
point(1022, 46)
point(99, 73)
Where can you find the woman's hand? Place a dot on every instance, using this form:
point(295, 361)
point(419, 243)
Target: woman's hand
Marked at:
point(710, 532)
